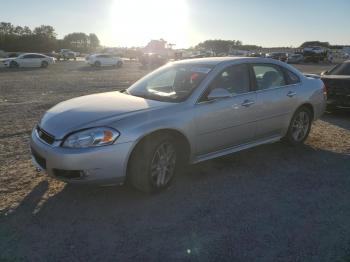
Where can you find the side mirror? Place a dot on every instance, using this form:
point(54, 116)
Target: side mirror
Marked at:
point(218, 93)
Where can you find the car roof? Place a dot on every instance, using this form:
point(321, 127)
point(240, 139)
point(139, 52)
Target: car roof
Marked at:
point(212, 60)
point(223, 61)
point(32, 54)
point(228, 59)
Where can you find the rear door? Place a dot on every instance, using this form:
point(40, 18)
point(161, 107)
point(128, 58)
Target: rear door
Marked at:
point(226, 122)
point(37, 60)
point(277, 94)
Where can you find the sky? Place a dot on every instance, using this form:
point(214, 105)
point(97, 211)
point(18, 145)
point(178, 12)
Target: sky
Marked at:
point(122, 23)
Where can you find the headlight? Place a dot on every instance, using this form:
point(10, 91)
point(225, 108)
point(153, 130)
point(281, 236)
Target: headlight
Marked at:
point(100, 136)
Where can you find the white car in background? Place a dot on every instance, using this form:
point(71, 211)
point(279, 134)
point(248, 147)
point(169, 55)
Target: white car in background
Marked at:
point(29, 60)
point(104, 60)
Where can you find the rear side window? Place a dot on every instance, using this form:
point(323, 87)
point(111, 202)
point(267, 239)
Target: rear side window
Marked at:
point(291, 77)
point(268, 76)
point(38, 56)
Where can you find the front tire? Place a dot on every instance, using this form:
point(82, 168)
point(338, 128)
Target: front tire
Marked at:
point(299, 127)
point(14, 64)
point(97, 64)
point(153, 163)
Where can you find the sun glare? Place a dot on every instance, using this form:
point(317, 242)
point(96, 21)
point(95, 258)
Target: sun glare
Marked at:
point(135, 22)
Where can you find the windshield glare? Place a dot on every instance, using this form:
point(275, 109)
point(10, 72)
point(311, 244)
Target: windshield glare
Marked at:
point(172, 83)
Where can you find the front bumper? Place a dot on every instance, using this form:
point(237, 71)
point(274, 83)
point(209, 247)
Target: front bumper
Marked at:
point(102, 165)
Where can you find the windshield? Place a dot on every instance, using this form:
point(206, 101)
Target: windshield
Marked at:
point(340, 69)
point(172, 83)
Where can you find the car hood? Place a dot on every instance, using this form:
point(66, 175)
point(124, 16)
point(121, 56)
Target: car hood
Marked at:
point(9, 59)
point(83, 112)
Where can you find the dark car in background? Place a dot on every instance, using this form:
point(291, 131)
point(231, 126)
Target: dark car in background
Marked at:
point(295, 58)
point(281, 56)
point(337, 82)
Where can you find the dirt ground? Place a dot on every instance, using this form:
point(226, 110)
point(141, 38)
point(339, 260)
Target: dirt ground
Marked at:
point(271, 203)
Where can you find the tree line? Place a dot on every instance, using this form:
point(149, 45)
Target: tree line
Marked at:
point(43, 39)
point(224, 46)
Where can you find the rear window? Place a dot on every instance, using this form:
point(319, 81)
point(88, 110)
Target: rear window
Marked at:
point(341, 69)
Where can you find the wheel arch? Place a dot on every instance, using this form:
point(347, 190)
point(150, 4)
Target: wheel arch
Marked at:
point(308, 106)
point(182, 143)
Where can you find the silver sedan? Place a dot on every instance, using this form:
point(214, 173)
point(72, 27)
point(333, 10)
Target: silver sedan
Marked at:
point(184, 112)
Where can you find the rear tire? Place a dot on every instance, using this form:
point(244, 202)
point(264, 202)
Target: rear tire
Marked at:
point(119, 64)
point(153, 164)
point(44, 64)
point(97, 64)
point(299, 127)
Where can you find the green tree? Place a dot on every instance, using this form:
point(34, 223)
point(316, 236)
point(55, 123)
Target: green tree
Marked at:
point(45, 31)
point(94, 41)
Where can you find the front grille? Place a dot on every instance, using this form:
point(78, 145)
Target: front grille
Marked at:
point(46, 137)
point(39, 159)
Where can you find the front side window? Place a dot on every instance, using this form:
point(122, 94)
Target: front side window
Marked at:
point(234, 79)
point(268, 76)
point(172, 83)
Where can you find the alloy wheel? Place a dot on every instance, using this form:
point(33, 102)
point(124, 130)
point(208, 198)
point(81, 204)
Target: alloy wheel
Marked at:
point(163, 164)
point(300, 126)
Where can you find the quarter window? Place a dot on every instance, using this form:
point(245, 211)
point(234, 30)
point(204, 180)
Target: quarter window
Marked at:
point(268, 76)
point(291, 77)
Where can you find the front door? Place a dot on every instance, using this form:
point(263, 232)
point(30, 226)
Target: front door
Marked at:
point(226, 122)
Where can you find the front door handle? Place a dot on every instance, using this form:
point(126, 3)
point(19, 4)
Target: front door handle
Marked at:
point(291, 93)
point(248, 103)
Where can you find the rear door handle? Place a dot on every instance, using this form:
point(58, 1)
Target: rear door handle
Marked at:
point(248, 103)
point(291, 93)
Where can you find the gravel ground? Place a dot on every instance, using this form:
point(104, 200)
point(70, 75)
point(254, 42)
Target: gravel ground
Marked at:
point(271, 203)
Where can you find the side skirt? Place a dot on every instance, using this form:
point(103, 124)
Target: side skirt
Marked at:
point(234, 149)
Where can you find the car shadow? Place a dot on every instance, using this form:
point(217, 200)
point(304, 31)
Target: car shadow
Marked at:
point(93, 68)
point(340, 118)
point(26, 69)
point(271, 201)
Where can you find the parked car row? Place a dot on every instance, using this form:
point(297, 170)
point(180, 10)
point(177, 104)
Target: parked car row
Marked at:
point(44, 60)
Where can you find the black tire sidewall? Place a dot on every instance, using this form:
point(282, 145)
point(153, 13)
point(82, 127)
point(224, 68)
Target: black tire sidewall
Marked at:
point(14, 64)
point(289, 137)
point(139, 171)
point(97, 64)
point(44, 64)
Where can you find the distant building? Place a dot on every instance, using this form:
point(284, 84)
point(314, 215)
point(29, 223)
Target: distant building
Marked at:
point(155, 46)
point(159, 47)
